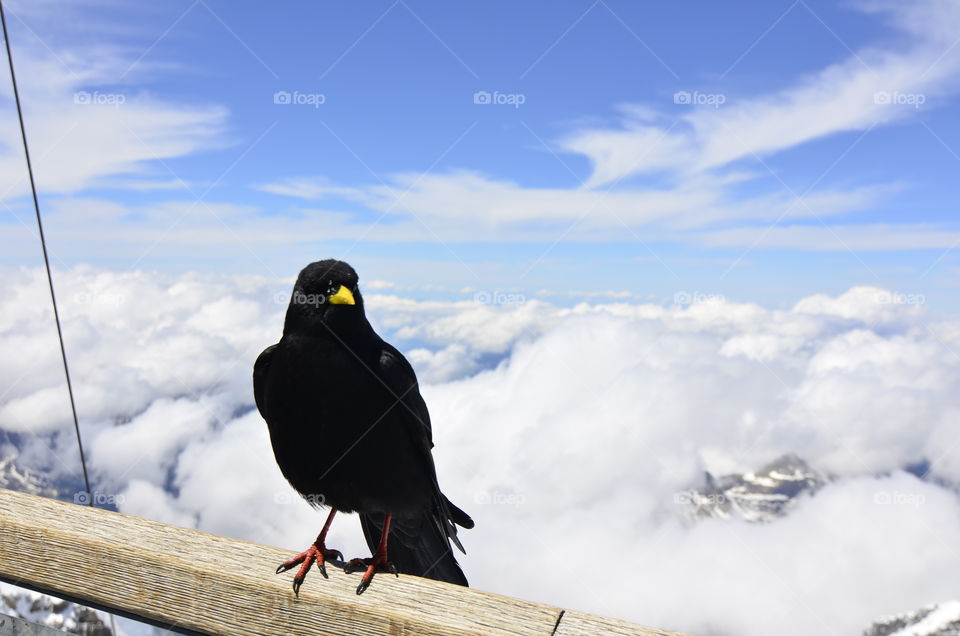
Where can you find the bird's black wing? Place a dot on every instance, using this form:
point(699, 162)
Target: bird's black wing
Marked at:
point(419, 545)
point(260, 369)
point(396, 371)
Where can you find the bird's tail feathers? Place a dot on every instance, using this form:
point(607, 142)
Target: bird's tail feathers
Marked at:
point(417, 546)
point(449, 517)
point(458, 516)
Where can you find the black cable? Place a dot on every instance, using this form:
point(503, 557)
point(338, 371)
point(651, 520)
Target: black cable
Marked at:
point(46, 258)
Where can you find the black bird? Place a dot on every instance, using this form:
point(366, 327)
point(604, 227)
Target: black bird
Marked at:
point(351, 431)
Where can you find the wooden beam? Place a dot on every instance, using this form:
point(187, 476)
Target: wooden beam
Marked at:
point(209, 584)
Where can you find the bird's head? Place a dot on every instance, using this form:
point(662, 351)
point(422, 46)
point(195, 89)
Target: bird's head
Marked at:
point(326, 292)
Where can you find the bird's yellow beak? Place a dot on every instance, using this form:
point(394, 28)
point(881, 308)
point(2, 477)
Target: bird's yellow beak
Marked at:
point(342, 297)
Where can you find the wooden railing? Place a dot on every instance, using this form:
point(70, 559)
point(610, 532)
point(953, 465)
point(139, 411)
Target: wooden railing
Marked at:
point(201, 583)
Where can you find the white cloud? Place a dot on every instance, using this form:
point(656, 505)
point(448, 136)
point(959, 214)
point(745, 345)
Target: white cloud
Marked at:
point(449, 363)
point(468, 205)
point(87, 120)
point(567, 452)
point(147, 499)
point(133, 338)
point(485, 328)
point(837, 237)
point(846, 96)
point(146, 447)
point(689, 151)
point(305, 188)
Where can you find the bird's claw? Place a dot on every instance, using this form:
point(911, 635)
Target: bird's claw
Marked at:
point(364, 584)
point(314, 554)
point(369, 567)
point(328, 555)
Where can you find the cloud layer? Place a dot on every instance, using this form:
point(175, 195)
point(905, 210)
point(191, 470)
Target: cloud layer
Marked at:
point(565, 432)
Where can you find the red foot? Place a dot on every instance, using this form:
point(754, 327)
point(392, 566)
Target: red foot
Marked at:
point(377, 563)
point(317, 553)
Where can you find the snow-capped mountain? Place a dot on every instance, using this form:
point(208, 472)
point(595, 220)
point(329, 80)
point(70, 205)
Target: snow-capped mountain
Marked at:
point(52, 612)
point(14, 477)
point(941, 619)
point(770, 493)
point(760, 496)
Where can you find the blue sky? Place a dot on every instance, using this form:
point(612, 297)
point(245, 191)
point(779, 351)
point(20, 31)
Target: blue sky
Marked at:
point(818, 150)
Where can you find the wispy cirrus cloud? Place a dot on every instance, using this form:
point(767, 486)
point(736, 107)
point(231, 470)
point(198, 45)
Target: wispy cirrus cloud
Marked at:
point(872, 87)
point(486, 202)
point(89, 120)
point(693, 191)
point(861, 238)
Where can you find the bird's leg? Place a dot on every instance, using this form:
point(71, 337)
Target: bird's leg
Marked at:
point(316, 553)
point(377, 563)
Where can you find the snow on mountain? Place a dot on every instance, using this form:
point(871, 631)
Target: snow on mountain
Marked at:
point(942, 619)
point(760, 496)
point(15, 477)
point(52, 612)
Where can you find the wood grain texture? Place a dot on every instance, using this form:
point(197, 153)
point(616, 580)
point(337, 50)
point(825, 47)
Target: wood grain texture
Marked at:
point(215, 585)
point(574, 623)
